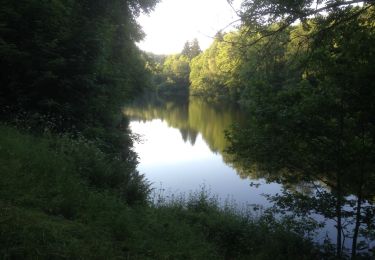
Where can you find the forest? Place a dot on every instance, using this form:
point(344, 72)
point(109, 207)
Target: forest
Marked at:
point(303, 71)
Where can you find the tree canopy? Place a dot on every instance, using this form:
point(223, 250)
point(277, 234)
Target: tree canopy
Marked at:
point(191, 49)
point(258, 15)
point(71, 59)
point(308, 92)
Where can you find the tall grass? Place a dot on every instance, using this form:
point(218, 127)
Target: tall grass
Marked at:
point(62, 198)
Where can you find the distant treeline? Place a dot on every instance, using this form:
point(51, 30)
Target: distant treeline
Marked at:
point(170, 73)
point(237, 61)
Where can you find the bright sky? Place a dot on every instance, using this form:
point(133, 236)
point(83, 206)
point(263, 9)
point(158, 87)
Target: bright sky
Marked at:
point(173, 22)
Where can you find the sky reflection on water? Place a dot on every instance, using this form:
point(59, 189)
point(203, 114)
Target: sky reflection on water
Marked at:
point(178, 166)
point(183, 149)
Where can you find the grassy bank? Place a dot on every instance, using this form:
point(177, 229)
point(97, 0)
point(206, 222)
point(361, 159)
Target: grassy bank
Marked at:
point(62, 198)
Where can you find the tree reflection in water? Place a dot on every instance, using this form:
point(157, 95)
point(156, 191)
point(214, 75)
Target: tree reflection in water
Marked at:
point(346, 199)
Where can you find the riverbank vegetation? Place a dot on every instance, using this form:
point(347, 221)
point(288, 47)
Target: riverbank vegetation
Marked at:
point(63, 198)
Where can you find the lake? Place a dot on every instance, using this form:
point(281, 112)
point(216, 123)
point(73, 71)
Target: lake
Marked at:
point(182, 150)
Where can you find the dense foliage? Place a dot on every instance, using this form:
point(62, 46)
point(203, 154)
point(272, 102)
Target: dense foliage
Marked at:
point(67, 67)
point(213, 73)
point(170, 74)
point(309, 92)
point(73, 61)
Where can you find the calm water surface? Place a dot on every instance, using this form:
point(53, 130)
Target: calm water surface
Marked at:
point(183, 146)
point(182, 149)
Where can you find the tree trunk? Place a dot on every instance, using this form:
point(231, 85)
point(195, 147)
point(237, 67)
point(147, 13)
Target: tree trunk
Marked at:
point(357, 224)
point(359, 196)
point(339, 218)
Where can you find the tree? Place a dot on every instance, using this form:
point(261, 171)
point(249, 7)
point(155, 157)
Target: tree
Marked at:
point(205, 76)
point(186, 50)
point(195, 49)
point(313, 121)
point(258, 15)
point(191, 49)
point(71, 59)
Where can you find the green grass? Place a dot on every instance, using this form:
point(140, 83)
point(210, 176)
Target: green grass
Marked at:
point(62, 198)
